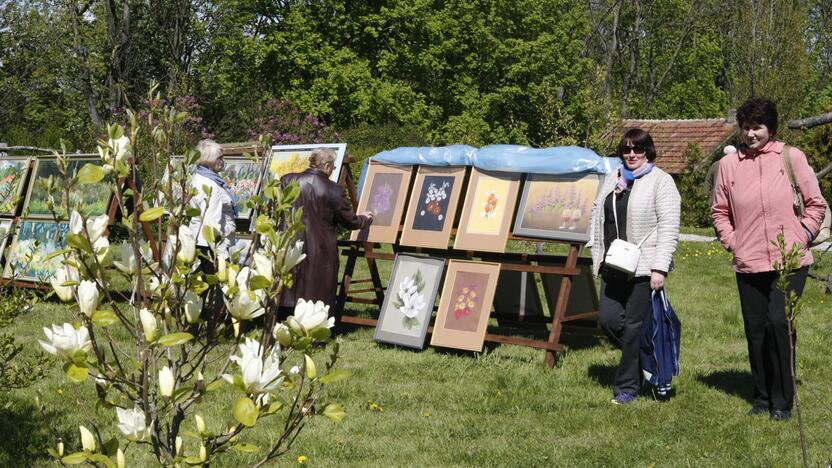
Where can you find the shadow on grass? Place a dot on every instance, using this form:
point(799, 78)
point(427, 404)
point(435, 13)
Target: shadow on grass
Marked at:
point(604, 375)
point(26, 434)
point(732, 382)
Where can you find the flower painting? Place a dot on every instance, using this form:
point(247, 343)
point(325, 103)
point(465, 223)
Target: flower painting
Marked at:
point(242, 176)
point(408, 304)
point(36, 240)
point(433, 203)
point(289, 159)
point(465, 308)
point(557, 207)
point(486, 214)
point(92, 199)
point(12, 177)
point(383, 191)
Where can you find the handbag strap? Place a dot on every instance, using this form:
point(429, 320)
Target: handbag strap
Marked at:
point(787, 161)
point(617, 235)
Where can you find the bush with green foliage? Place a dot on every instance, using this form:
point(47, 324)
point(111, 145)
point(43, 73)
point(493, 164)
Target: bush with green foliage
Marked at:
point(696, 207)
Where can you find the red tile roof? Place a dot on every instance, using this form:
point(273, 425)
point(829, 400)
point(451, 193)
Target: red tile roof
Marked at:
point(673, 136)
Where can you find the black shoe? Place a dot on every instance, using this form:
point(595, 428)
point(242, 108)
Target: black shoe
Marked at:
point(780, 415)
point(755, 410)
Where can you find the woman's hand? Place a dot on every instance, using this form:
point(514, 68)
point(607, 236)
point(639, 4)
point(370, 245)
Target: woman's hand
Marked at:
point(657, 280)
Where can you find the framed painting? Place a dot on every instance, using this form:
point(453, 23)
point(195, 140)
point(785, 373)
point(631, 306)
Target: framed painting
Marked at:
point(240, 173)
point(35, 240)
point(432, 207)
point(557, 206)
point(5, 234)
point(583, 295)
point(408, 303)
point(286, 159)
point(465, 306)
point(486, 214)
point(94, 199)
point(12, 181)
point(384, 192)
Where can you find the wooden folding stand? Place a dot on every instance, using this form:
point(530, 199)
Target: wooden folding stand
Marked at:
point(530, 263)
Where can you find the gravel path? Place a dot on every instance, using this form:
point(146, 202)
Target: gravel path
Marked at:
point(698, 238)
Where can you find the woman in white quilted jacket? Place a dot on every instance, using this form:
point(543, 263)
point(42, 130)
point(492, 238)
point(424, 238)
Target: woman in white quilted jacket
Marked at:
point(645, 203)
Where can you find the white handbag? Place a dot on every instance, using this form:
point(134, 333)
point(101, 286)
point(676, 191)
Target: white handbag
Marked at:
point(622, 255)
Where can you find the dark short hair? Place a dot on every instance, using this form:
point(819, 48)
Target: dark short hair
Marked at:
point(638, 137)
point(758, 110)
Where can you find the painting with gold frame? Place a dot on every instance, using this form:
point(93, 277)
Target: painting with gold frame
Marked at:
point(286, 159)
point(465, 307)
point(384, 193)
point(433, 206)
point(487, 211)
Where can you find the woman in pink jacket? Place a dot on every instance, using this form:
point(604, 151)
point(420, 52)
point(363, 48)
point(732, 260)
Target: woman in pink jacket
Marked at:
point(753, 203)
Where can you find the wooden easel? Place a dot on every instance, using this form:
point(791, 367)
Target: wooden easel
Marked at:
point(521, 262)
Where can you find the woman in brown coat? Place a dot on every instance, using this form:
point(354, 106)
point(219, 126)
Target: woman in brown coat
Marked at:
point(324, 209)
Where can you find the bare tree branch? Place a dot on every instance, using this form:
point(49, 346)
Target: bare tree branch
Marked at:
point(810, 122)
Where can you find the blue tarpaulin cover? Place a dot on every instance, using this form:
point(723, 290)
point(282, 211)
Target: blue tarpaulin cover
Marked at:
point(505, 158)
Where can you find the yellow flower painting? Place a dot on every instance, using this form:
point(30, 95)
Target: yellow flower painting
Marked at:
point(489, 206)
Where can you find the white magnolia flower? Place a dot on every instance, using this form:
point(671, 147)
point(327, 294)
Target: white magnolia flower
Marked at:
point(260, 375)
point(87, 439)
point(309, 316)
point(187, 245)
point(121, 462)
point(282, 335)
point(102, 250)
point(294, 255)
point(88, 296)
point(121, 148)
point(131, 423)
point(166, 382)
point(65, 341)
point(148, 324)
point(263, 266)
point(126, 262)
point(96, 225)
point(245, 305)
point(413, 305)
point(192, 305)
point(62, 275)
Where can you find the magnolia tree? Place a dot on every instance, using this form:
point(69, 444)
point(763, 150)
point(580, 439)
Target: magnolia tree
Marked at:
point(181, 340)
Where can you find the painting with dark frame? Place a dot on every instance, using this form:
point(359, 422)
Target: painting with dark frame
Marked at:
point(408, 303)
point(92, 199)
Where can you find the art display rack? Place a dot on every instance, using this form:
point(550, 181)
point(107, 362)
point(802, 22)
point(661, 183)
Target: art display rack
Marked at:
point(519, 262)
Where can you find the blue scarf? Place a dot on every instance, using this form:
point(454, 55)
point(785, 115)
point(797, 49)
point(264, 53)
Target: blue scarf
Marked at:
point(214, 177)
point(626, 177)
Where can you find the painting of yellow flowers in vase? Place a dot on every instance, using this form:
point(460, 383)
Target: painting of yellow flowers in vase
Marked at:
point(408, 302)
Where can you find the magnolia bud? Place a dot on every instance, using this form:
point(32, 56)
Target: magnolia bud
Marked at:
point(200, 424)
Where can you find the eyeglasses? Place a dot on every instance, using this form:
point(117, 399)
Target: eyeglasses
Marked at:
point(637, 149)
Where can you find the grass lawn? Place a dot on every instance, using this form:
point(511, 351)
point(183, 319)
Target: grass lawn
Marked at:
point(503, 407)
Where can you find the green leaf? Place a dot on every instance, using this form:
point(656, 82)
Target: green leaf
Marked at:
point(102, 459)
point(90, 174)
point(152, 214)
point(334, 376)
point(74, 458)
point(246, 448)
point(274, 407)
point(263, 224)
point(175, 339)
point(334, 412)
point(245, 412)
point(104, 318)
point(79, 242)
point(76, 373)
point(321, 333)
point(55, 254)
point(193, 460)
point(215, 385)
point(311, 372)
point(210, 233)
point(52, 452)
point(115, 131)
point(110, 447)
point(258, 282)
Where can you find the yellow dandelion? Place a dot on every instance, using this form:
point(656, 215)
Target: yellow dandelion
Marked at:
point(302, 459)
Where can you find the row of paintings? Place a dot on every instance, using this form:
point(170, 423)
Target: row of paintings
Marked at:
point(550, 207)
point(468, 294)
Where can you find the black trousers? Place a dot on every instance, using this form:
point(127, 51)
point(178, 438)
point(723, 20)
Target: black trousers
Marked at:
point(766, 330)
point(623, 305)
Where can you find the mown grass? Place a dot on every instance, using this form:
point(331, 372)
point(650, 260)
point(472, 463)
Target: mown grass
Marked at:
point(503, 407)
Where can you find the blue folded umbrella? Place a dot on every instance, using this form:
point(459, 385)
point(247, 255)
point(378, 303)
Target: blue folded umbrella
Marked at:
point(660, 343)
